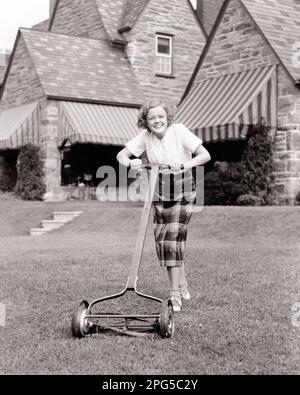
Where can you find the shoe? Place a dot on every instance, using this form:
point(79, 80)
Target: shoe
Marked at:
point(184, 292)
point(176, 304)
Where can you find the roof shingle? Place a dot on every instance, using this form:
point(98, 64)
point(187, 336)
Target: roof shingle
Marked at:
point(120, 14)
point(111, 12)
point(81, 68)
point(131, 12)
point(44, 25)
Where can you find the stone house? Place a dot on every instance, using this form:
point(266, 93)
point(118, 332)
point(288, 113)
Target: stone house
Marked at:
point(74, 83)
point(248, 73)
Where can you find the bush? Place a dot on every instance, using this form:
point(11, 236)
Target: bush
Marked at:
point(257, 165)
point(213, 189)
point(223, 187)
point(253, 176)
point(232, 187)
point(250, 200)
point(30, 183)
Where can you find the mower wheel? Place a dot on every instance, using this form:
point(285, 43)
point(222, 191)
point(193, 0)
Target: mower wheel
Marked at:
point(79, 324)
point(166, 319)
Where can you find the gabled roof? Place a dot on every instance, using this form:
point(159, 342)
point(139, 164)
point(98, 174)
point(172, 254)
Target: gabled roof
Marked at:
point(111, 13)
point(118, 16)
point(279, 21)
point(44, 25)
point(81, 68)
point(132, 10)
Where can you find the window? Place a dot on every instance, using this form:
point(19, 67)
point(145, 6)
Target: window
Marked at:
point(164, 54)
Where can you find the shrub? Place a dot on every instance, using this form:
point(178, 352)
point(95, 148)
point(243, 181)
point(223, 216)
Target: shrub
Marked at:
point(223, 187)
point(232, 187)
point(257, 165)
point(253, 176)
point(213, 189)
point(30, 183)
point(250, 200)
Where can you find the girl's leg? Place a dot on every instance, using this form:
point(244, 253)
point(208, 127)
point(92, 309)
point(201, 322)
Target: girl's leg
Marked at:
point(183, 287)
point(182, 278)
point(174, 276)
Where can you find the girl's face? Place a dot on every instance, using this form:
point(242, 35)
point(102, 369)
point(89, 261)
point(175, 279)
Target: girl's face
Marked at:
point(157, 121)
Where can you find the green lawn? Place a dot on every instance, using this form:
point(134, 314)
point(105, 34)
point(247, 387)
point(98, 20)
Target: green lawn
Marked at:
point(243, 270)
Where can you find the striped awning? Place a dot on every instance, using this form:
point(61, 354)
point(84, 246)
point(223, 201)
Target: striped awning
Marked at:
point(19, 126)
point(223, 108)
point(96, 123)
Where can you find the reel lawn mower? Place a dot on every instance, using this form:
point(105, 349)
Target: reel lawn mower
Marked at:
point(88, 317)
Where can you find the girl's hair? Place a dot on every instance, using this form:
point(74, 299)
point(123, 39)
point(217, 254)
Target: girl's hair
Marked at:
point(142, 118)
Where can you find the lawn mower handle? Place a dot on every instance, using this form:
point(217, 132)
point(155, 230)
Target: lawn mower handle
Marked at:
point(150, 166)
point(139, 246)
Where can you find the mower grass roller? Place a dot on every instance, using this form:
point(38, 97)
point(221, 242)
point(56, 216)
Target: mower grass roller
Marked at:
point(85, 321)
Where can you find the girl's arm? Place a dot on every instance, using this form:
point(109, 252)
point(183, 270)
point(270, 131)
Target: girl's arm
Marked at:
point(202, 157)
point(124, 156)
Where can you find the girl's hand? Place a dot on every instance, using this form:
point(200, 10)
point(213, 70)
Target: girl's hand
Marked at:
point(135, 164)
point(176, 166)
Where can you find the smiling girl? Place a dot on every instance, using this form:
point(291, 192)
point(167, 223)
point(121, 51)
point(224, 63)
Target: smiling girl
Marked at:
point(168, 143)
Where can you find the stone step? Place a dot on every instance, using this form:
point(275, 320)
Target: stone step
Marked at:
point(38, 231)
point(68, 212)
point(65, 215)
point(53, 224)
point(59, 219)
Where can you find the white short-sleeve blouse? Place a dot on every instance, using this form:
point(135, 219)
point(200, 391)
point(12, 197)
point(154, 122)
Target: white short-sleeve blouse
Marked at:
point(177, 146)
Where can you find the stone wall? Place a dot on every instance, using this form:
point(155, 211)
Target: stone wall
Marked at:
point(239, 46)
point(50, 153)
point(22, 85)
point(78, 18)
point(287, 144)
point(170, 17)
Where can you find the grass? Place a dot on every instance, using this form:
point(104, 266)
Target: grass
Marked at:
point(243, 272)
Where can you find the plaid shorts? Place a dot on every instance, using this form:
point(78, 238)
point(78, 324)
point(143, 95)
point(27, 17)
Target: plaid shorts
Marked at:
point(171, 218)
